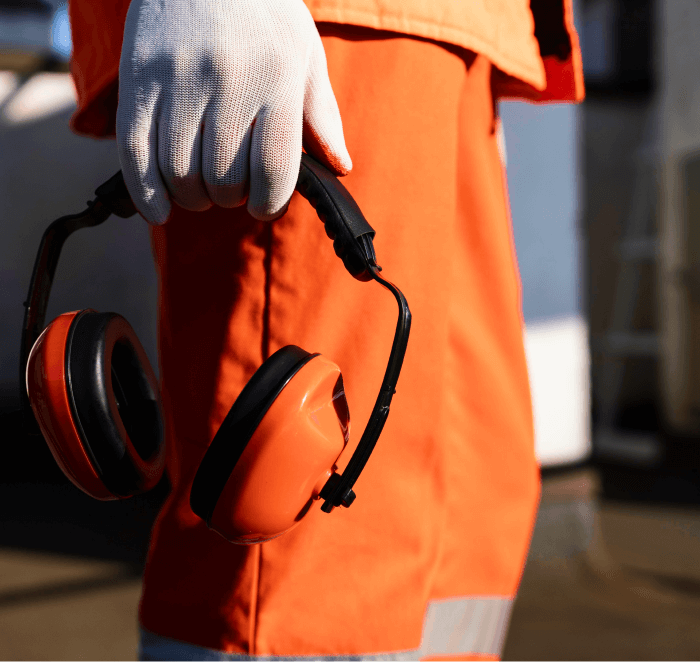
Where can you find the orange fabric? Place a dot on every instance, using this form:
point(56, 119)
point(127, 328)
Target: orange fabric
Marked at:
point(561, 55)
point(446, 504)
point(503, 31)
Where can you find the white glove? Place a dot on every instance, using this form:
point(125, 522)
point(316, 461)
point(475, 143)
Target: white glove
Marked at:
point(214, 97)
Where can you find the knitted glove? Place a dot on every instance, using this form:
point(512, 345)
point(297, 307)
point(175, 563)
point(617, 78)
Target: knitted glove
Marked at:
point(214, 99)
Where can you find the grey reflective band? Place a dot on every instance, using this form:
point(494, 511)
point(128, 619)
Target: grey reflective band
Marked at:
point(458, 626)
point(465, 625)
point(155, 647)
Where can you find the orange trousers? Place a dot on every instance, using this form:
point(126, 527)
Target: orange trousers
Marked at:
point(446, 504)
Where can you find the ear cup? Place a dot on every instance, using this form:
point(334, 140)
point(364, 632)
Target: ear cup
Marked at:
point(239, 425)
point(278, 459)
point(49, 399)
point(114, 394)
point(103, 418)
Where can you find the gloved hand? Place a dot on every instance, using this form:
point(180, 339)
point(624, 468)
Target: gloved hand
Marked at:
point(214, 98)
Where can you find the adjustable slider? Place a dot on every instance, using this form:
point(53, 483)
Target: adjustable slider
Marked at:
point(328, 494)
point(348, 499)
point(114, 195)
point(368, 250)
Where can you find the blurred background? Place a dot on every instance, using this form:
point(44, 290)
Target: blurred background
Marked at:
point(605, 201)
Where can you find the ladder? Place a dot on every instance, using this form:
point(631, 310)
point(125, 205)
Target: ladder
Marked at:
point(639, 244)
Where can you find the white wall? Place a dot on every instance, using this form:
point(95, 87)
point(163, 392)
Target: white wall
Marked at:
point(542, 146)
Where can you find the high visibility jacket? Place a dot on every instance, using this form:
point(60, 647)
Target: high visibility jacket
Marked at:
point(427, 560)
point(532, 43)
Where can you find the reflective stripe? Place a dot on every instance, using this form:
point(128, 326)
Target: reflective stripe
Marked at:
point(466, 625)
point(154, 647)
point(458, 626)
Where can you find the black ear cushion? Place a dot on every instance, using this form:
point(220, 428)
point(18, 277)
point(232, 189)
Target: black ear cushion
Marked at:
point(92, 362)
point(239, 425)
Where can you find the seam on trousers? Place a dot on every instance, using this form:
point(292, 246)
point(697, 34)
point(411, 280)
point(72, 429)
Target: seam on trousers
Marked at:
point(265, 351)
point(254, 594)
point(267, 266)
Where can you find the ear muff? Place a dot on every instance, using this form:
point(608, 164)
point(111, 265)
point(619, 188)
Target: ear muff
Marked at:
point(95, 398)
point(275, 450)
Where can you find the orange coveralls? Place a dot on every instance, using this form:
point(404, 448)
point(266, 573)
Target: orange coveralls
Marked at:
point(427, 560)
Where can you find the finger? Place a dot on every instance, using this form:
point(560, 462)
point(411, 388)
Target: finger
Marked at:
point(180, 152)
point(275, 156)
point(323, 128)
point(137, 147)
point(226, 156)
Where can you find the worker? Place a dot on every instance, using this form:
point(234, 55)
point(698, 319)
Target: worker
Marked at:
point(211, 102)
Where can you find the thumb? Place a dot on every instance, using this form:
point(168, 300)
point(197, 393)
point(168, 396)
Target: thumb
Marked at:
point(323, 128)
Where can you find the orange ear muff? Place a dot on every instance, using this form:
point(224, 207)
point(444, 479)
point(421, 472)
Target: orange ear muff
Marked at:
point(275, 450)
point(95, 398)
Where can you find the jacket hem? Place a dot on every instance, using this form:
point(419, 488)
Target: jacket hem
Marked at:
point(534, 76)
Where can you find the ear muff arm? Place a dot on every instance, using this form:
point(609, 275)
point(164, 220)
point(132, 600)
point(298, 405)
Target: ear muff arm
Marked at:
point(40, 287)
point(338, 490)
point(112, 198)
point(352, 240)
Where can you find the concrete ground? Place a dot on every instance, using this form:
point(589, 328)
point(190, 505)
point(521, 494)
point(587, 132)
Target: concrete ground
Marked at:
point(603, 581)
point(70, 571)
point(607, 581)
point(55, 607)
